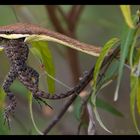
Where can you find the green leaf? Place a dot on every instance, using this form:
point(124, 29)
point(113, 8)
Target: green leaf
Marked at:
point(77, 108)
point(132, 55)
point(126, 11)
point(127, 40)
point(138, 97)
point(41, 50)
point(107, 107)
point(105, 50)
point(110, 44)
point(100, 104)
point(4, 130)
point(99, 119)
point(18, 87)
point(93, 101)
point(135, 88)
point(31, 113)
point(137, 71)
point(110, 74)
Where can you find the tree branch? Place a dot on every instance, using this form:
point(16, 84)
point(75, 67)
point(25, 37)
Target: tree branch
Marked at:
point(51, 9)
point(72, 54)
point(74, 15)
point(62, 13)
point(57, 118)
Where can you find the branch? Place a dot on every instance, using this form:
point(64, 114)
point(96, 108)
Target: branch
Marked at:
point(60, 115)
point(91, 129)
point(74, 15)
point(61, 12)
point(51, 9)
point(83, 113)
point(72, 54)
point(57, 118)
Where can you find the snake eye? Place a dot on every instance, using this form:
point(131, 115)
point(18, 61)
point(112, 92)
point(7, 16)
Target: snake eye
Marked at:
point(8, 32)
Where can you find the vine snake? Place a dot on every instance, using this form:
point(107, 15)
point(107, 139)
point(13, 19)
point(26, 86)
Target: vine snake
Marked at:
point(20, 30)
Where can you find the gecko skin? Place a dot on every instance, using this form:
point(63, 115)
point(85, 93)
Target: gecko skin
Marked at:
point(17, 52)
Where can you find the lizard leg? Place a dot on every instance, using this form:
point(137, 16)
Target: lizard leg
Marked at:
point(30, 78)
point(6, 85)
point(27, 76)
point(34, 75)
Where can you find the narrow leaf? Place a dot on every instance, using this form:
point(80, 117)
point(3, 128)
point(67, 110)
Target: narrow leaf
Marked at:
point(98, 117)
point(77, 108)
point(107, 107)
point(132, 51)
point(135, 88)
point(110, 74)
point(138, 96)
point(31, 113)
point(93, 101)
point(127, 39)
point(134, 84)
point(105, 50)
point(110, 44)
point(126, 11)
point(41, 50)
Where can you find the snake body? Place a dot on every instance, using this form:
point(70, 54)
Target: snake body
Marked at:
point(20, 30)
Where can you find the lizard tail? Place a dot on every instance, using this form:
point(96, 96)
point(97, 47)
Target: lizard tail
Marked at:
point(76, 90)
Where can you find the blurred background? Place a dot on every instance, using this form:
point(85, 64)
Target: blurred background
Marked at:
point(95, 25)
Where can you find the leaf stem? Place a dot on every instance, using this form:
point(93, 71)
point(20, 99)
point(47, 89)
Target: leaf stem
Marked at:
point(31, 113)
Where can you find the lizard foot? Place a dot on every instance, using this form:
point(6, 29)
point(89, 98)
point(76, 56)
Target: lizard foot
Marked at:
point(39, 99)
point(10, 110)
